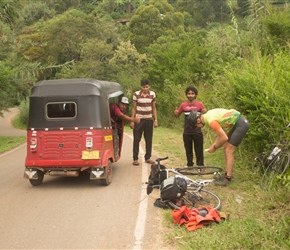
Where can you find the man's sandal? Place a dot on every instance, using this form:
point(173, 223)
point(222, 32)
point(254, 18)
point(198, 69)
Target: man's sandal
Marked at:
point(135, 163)
point(149, 161)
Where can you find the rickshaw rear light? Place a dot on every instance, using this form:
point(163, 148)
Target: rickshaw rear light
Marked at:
point(33, 144)
point(89, 143)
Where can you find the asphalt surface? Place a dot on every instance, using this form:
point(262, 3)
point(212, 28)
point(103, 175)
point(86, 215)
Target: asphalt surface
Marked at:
point(6, 128)
point(75, 212)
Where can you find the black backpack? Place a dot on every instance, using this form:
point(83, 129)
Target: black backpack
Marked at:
point(173, 188)
point(156, 177)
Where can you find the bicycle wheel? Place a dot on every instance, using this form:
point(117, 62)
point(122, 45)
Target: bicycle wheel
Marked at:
point(199, 170)
point(261, 163)
point(195, 200)
point(278, 166)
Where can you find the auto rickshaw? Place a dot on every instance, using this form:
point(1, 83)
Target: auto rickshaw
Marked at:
point(70, 130)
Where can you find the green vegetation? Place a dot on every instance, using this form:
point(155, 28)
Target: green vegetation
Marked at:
point(9, 142)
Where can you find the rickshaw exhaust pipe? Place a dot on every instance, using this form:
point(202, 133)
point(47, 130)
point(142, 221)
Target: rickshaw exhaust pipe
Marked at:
point(64, 173)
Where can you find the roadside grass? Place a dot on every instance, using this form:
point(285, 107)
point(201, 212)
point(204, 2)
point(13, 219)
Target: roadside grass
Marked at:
point(258, 219)
point(9, 142)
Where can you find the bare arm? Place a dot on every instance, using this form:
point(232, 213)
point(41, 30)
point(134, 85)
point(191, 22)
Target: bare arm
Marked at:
point(129, 118)
point(176, 113)
point(134, 108)
point(220, 140)
point(154, 110)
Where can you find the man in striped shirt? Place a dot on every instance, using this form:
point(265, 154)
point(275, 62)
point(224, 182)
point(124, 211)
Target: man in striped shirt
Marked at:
point(144, 107)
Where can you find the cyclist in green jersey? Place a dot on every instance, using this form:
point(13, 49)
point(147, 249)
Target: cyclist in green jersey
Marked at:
point(230, 127)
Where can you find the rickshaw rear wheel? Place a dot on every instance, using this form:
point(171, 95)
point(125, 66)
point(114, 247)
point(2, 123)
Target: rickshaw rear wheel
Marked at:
point(108, 175)
point(38, 181)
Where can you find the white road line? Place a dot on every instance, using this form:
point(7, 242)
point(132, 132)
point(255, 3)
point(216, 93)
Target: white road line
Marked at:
point(143, 204)
point(142, 211)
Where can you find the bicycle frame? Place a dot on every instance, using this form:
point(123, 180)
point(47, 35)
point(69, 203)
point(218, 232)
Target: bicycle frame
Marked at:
point(193, 185)
point(195, 188)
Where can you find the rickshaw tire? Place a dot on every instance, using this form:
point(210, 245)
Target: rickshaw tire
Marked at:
point(37, 182)
point(108, 175)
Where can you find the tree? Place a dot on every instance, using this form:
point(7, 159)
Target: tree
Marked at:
point(278, 27)
point(34, 11)
point(8, 13)
point(127, 66)
point(7, 41)
point(162, 5)
point(57, 42)
point(93, 61)
point(151, 22)
point(204, 12)
point(145, 26)
point(61, 6)
point(6, 89)
point(177, 60)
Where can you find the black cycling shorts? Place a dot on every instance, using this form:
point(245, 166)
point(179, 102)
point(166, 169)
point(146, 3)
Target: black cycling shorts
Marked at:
point(238, 132)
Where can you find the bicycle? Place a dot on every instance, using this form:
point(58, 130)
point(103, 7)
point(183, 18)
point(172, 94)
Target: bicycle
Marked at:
point(195, 195)
point(273, 162)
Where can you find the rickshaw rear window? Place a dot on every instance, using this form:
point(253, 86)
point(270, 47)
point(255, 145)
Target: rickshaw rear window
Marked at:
point(61, 110)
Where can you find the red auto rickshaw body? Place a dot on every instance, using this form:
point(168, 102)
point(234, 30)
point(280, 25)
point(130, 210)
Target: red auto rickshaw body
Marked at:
point(70, 130)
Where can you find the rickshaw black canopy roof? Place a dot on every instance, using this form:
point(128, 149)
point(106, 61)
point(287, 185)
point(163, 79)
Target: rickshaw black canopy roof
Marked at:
point(76, 87)
point(90, 95)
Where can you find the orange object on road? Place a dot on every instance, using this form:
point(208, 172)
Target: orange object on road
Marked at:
point(193, 219)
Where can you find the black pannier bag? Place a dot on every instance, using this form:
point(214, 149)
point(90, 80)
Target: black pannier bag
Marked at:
point(173, 188)
point(156, 177)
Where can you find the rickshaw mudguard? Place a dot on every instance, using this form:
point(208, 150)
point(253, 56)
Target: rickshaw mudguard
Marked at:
point(107, 155)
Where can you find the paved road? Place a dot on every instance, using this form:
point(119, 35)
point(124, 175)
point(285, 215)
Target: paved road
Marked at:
point(76, 213)
point(5, 124)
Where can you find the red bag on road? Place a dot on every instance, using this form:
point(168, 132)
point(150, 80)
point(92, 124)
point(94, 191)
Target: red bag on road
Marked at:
point(193, 219)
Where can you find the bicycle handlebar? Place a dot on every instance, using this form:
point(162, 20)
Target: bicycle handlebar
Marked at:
point(161, 159)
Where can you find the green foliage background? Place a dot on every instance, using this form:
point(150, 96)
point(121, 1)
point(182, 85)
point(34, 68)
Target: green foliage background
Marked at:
point(235, 52)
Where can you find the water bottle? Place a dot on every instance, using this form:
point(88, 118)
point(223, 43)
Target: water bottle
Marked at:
point(274, 152)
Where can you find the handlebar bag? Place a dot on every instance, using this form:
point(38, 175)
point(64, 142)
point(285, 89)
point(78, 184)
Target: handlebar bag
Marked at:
point(173, 188)
point(156, 177)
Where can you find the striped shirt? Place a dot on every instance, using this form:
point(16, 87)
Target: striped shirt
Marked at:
point(144, 104)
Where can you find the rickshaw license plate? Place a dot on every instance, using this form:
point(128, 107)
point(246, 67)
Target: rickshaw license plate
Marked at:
point(86, 155)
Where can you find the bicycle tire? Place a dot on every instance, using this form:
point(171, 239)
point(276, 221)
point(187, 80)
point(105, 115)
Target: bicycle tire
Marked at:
point(199, 170)
point(277, 167)
point(261, 163)
point(195, 200)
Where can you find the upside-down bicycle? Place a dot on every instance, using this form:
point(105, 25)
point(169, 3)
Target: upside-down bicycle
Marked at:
point(195, 195)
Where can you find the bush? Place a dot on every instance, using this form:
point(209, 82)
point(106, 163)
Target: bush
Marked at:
point(260, 90)
point(24, 113)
